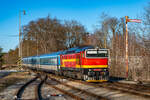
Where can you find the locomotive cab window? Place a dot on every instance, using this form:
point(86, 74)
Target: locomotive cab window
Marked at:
point(96, 53)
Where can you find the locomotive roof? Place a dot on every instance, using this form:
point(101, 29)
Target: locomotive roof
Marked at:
point(83, 48)
point(78, 49)
point(44, 55)
point(71, 50)
point(53, 54)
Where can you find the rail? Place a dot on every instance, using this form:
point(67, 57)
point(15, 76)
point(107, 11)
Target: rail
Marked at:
point(21, 90)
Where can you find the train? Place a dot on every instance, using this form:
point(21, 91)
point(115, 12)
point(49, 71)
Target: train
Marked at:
point(85, 62)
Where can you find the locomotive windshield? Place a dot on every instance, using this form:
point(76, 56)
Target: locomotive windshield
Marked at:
point(96, 53)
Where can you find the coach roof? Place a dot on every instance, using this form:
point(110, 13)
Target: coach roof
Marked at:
point(71, 50)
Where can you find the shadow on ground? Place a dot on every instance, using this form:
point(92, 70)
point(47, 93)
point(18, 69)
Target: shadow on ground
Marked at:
point(116, 79)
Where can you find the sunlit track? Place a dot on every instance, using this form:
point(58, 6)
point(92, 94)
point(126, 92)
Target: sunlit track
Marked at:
point(122, 87)
point(21, 90)
point(65, 92)
point(98, 97)
point(38, 89)
point(137, 87)
point(116, 86)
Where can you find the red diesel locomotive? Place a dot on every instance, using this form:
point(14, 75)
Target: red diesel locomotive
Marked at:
point(90, 65)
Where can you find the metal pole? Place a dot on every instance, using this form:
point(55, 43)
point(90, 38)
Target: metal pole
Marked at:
point(105, 45)
point(19, 34)
point(20, 39)
point(127, 69)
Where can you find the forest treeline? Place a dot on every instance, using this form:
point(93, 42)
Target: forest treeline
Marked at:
point(48, 34)
point(1, 57)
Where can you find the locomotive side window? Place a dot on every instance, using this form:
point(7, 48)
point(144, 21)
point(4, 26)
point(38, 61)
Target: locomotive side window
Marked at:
point(96, 53)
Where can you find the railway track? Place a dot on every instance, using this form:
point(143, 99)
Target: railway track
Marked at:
point(134, 89)
point(124, 88)
point(65, 92)
point(22, 88)
point(74, 90)
point(38, 89)
point(38, 94)
point(137, 87)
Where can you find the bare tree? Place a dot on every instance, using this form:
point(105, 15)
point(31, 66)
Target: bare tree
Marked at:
point(75, 34)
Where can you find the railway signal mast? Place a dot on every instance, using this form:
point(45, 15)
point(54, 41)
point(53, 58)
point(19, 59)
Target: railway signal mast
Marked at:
point(128, 20)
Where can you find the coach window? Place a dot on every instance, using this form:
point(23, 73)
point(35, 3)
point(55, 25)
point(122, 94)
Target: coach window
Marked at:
point(50, 60)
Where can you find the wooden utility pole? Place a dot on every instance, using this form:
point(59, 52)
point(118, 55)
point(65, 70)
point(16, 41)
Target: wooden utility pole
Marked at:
point(127, 65)
point(127, 57)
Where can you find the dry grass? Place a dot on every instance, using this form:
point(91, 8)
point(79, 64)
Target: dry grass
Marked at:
point(12, 79)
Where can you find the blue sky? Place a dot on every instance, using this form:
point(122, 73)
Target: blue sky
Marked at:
point(87, 12)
